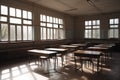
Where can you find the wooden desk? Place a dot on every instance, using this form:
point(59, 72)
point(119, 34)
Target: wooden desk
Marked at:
point(60, 51)
point(89, 54)
point(70, 47)
point(48, 54)
point(82, 45)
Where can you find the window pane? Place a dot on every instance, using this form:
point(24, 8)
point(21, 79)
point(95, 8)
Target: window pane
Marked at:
point(24, 32)
point(111, 33)
point(19, 34)
point(55, 33)
point(49, 25)
point(44, 33)
point(96, 34)
point(57, 20)
point(15, 20)
point(44, 17)
point(4, 32)
point(116, 21)
point(48, 33)
point(88, 27)
point(111, 21)
point(89, 23)
point(18, 13)
point(50, 19)
point(61, 34)
point(43, 24)
point(24, 14)
point(4, 10)
point(94, 22)
point(29, 15)
point(30, 33)
point(116, 33)
point(27, 22)
point(12, 33)
point(12, 11)
point(4, 19)
point(61, 26)
point(55, 25)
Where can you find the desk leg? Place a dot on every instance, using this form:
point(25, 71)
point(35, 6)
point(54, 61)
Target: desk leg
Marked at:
point(98, 64)
point(75, 63)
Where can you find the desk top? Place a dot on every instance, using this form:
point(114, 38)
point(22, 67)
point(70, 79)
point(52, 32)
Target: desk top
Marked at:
point(56, 49)
point(69, 46)
point(105, 45)
point(41, 51)
point(98, 48)
point(80, 45)
point(87, 52)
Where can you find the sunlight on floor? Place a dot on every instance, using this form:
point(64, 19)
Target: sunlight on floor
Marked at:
point(22, 72)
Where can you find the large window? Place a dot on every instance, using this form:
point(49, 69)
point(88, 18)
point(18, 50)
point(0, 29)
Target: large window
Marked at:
point(51, 28)
point(92, 29)
point(113, 29)
point(15, 24)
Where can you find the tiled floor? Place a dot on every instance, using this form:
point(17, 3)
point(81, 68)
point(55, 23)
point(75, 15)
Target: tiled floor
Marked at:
point(21, 70)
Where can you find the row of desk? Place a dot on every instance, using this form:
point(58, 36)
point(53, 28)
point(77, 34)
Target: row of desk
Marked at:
point(91, 52)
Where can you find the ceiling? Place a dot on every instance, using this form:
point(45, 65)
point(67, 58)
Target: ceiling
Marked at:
point(81, 7)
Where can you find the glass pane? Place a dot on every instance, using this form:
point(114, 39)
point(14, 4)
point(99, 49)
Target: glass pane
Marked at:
point(87, 27)
point(96, 34)
point(41, 17)
point(48, 19)
point(24, 14)
point(96, 26)
point(51, 19)
point(30, 33)
point(61, 34)
point(49, 25)
point(60, 21)
point(15, 20)
point(57, 20)
point(51, 33)
point(115, 33)
point(116, 21)
point(29, 15)
point(111, 33)
point(4, 19)
point(27, 22)
point(113, 26)
point(48, 33)
point(55, 25)
point(44, 33)
point(4, 32)
point(54, 20)
point(94, 22)
point(86, 22)
point(55, 33)
point(111, 21)
point(19, 34)
point(61, 26)
point(44, 17)
point(12, 33)
point(24, 32)
point(18, 13)
point(4, 10)
point(98, 22)
point(12, 11)
point(43, 24)
point(41, 33)
point(89, 23)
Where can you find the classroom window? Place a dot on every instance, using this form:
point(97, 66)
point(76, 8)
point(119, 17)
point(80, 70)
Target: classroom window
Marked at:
point(15, 24)
point(113, 29)
point(92, 29)
point(51, 28)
